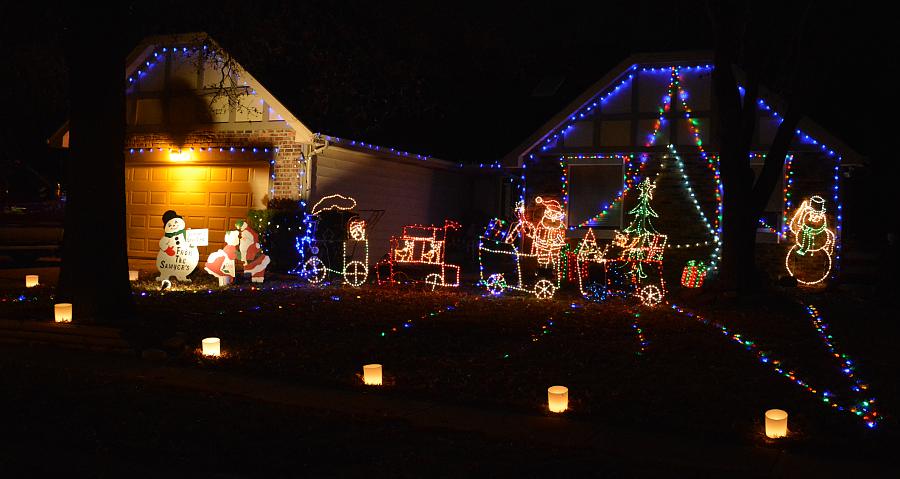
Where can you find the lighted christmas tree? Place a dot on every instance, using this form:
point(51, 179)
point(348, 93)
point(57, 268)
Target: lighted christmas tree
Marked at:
point(640, 240)
point(642, 247)
point(641, 225)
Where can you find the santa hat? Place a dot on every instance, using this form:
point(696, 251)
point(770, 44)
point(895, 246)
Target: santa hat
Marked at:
point(169, 215)
point(551, 205)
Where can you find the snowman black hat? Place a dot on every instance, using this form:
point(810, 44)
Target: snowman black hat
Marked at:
point(169, 215)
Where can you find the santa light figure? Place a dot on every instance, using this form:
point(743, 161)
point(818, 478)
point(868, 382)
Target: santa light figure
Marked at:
point(250, 252)
point(547, 236)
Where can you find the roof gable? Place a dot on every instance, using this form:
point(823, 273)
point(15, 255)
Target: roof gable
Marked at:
point(144, 61)
point(622, 77)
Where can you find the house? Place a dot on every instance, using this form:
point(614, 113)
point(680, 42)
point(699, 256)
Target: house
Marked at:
point(206, 139)
point(650, 116)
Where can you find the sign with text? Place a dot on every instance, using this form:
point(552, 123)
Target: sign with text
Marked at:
point(197, 237)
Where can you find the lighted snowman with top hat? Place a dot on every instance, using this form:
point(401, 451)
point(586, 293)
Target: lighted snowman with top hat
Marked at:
point(809, 259)
point(177, 257)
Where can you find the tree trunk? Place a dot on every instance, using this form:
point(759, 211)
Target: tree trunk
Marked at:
point(94, 273)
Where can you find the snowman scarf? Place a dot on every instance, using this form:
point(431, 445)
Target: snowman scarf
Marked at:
point(170, 250)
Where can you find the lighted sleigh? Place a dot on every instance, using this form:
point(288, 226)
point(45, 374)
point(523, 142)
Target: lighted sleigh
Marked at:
point(418, 256)
point(504, 264)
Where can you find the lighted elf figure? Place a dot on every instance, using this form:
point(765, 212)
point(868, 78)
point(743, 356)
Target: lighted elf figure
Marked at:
point(250, 252)
point(221, 263)
point(177, 257)
point(809, 259)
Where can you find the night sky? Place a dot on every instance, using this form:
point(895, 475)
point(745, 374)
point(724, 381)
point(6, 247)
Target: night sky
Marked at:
point(454, 81)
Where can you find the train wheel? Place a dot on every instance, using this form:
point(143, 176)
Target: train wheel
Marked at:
point(650, 295)
point(434, 280)
point(355, 273)
point(314, 270)
point(544, 289)
point(495, 284)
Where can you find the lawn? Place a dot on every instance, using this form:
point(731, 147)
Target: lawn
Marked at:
point(626, 365)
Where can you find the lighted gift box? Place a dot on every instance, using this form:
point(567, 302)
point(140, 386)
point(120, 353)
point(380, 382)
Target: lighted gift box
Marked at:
point(693, 274)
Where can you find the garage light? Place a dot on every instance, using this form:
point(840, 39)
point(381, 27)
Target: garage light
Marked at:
point(180, 155)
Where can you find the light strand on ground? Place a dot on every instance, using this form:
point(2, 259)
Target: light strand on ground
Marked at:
point(862, 408)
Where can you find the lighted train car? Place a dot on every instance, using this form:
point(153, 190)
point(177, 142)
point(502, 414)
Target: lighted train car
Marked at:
point(639, 269)
point(503, 267)
point(334, 242)
point(418, 256)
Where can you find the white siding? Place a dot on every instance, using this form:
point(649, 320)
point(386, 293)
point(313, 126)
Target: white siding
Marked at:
point(409, 193)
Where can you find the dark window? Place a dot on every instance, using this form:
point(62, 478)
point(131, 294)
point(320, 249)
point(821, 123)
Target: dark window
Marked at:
point(592, 185)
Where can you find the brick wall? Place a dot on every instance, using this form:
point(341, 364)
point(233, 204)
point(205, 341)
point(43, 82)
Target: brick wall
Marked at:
point(287, 164)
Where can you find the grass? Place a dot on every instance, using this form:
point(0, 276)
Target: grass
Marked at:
point(458, 346)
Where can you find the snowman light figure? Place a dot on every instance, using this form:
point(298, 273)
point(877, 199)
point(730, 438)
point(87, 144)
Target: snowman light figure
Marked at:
point(809, 259)
point(177, 257)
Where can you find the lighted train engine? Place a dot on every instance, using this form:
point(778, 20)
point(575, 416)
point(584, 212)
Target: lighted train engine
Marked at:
point(334, 242)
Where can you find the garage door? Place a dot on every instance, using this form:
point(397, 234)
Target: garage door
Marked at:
point(207, 196)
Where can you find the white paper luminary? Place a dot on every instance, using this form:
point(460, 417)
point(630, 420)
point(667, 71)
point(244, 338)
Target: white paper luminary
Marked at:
point(776, 423)
point(558, 398)
point(177, 256)
point(31, 280)
point(62, 312)
point(372, 374)
point(211, 347)
point(133, 275)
